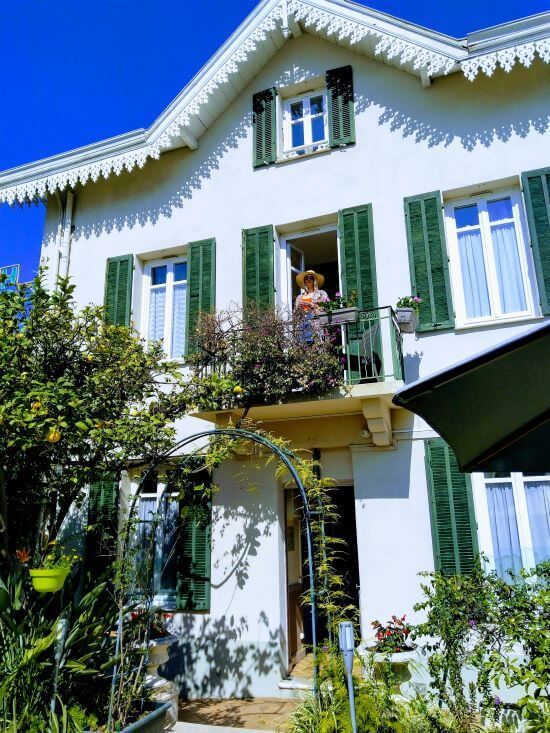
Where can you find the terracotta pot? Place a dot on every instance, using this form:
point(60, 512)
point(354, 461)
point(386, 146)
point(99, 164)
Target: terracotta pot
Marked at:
point(48, 580)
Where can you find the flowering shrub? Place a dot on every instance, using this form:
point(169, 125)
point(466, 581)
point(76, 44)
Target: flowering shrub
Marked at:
point(265, 356)
point(410, 301)
point(393, 637)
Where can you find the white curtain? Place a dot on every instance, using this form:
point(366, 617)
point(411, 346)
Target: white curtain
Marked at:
point(537, 495)
point(157, 305)
point(510, 281)
point(504, 529)
point(474, 278)
point(178, 320)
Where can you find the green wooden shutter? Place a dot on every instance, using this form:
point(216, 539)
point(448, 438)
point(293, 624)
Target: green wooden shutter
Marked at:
point(118, 290)
point(341, 118)
point(258, 280)
point(357, 260)
point(428, 260)
point(194, 556)
point(102, 530)
point(536, 190)
point(201, 285)
point(454, 532)
point(264, 119)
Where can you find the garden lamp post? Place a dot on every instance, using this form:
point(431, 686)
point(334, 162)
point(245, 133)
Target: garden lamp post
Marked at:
point(347, 647)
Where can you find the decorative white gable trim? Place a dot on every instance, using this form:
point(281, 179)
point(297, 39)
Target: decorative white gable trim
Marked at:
point(419, 51)
point(506, 58)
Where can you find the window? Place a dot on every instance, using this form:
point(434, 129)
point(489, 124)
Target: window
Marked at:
point(156, 538)
point(513, 515)
point(173, 542)
point(166, 305)
point(489, 262)
point(305, 125)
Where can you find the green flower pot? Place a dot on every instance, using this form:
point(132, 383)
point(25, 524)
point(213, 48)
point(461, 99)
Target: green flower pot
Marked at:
point(48, 580)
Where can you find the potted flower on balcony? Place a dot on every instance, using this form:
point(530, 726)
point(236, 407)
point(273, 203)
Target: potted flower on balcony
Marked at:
point(407, 313)
point(338, 310)
point(392, 645)
point(54, 568)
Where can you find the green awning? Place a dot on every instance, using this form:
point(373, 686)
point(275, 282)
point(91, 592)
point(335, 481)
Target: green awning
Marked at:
point(493, 408)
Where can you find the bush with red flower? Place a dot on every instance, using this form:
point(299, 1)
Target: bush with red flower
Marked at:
point(393, 636)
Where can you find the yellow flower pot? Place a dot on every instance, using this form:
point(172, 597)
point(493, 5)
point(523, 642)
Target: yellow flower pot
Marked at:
point(48, 580)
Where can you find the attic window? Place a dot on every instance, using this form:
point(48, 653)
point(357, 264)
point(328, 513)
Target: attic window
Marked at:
point(305, 124)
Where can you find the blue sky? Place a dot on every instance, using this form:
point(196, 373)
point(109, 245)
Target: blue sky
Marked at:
point(77, 71)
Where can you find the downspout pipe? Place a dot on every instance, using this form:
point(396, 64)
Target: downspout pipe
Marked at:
point(65, 249)
point(58, 237)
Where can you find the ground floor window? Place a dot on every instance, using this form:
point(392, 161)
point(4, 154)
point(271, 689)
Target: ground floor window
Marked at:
point(513, 515)
point(173, 540)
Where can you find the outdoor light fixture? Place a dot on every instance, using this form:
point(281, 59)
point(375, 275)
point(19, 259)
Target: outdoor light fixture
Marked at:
point(347, 647)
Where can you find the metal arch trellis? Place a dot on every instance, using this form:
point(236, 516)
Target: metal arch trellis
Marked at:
point(285, 456)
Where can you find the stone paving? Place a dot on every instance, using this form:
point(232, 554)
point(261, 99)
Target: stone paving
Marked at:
point(260, 714)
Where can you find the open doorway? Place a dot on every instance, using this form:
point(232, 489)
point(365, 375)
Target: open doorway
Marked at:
point(315, 250)
point(346, 565)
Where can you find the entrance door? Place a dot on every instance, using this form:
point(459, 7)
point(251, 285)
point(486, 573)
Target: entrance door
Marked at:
point(346, 564)
point(294, 575)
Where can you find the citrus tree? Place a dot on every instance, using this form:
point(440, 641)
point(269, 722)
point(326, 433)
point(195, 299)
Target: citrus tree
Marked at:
point(79, 398)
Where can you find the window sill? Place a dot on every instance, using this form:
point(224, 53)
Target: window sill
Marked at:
point(498, 322)
point(305, 155)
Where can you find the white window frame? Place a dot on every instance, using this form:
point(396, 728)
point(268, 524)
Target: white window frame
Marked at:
point(284, 270)
point(309, 146)
point(147, 287)
point(525, 259)
point(518, 481)
point(167, 598)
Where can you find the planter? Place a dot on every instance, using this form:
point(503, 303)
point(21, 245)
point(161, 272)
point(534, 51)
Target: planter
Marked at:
point(153, 722)
point(399, 662)
point(48, 580)
point(407, 319)
point(162, 690)
point(342, 315)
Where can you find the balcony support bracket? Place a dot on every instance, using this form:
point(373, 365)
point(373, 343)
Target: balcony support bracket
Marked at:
point(377, 414)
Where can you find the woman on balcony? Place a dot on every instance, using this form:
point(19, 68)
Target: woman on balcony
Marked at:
point(310, 296)
point(308, 304)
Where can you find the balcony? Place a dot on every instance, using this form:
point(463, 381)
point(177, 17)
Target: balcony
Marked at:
point(360, 360)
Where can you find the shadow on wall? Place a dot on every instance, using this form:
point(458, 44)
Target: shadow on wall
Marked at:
point(445, 114)
point(411, 364)
point(212, 659)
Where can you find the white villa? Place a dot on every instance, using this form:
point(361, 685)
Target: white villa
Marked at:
point(393, 159)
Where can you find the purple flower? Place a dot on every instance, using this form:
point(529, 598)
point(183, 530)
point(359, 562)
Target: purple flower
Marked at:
point(472, 623)
point(338, 295)
point(497, 701)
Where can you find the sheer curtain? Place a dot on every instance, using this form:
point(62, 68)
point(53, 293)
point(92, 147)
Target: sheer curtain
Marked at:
point(170, 521)
point(474, 278)
point(537, 495)
point(504, 528)
point(178, 320)
point(156, 314)
point(144, 561)
point(510, 281)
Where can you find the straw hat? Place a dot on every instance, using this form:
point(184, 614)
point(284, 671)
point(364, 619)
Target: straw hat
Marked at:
point(320, 279)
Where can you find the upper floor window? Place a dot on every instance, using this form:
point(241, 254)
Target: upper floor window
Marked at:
point(489, 260)
point(166, 304)
point(305, 124)
point(513, 517)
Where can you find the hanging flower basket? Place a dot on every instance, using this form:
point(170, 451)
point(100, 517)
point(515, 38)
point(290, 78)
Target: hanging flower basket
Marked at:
point(407, 319)
point(48, 580)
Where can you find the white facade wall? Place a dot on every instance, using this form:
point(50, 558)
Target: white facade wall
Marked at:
point(410, 140)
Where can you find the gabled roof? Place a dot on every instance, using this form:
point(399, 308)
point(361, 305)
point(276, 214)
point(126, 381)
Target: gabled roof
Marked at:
point(406, 46)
